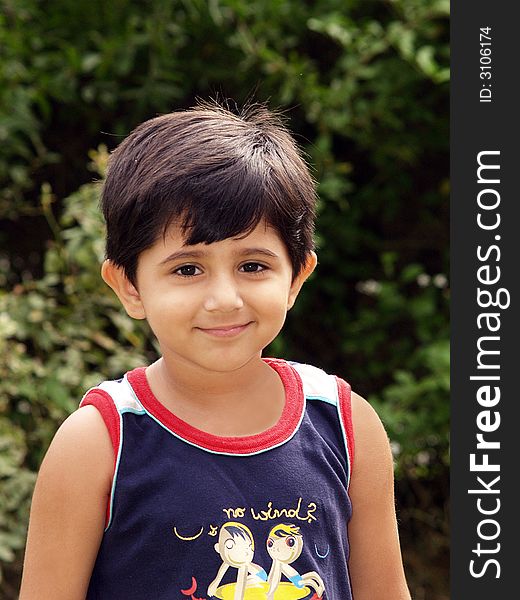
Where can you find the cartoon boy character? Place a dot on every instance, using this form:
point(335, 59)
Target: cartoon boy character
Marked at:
point(284, 545)
point(236, 547)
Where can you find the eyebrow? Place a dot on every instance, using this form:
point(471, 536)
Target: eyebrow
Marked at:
point(182, 254)
point(262, 251)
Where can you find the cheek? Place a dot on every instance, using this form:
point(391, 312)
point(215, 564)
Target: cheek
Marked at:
point(161, 304)
point(271, 300)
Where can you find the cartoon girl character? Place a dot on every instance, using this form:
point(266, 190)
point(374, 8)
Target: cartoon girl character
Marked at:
point(236, 547)
point(284, 545)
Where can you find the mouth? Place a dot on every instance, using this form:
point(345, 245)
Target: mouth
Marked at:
point(225, 330)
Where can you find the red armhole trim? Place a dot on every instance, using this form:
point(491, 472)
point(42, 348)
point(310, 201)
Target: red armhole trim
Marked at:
point(345, 408)
point(105, 405)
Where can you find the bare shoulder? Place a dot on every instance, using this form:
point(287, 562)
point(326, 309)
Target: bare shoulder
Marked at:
point(372, 479)
point(68, 509)
point(79, 460)
point(363, 414)
point(371, 439)
point(82, 443)
point(85, 425)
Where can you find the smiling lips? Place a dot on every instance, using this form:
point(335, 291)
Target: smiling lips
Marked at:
point(225, 330)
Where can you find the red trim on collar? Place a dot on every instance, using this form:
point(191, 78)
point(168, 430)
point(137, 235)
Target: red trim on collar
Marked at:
point(274, 436)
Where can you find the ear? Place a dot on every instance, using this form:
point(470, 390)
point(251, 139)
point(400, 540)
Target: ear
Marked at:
point(216, 548)
point(125, 290)
point(300, 279)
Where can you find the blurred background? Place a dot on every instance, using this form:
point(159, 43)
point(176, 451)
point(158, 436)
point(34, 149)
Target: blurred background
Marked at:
point(364, 88)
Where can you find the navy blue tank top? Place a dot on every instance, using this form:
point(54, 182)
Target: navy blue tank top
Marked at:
point(198, 516)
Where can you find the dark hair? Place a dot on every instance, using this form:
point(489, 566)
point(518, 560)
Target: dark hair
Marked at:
point(215, 173)
point(236, 531)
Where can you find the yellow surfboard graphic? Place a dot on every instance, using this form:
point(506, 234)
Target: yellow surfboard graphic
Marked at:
point(285, 591)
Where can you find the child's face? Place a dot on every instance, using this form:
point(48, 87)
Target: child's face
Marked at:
point(215, 306)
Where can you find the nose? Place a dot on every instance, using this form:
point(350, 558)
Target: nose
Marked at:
point(223, 295)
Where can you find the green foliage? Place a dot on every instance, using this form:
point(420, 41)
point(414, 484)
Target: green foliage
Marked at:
point(350, 66)
point(17, 483)
point(364, 85)
point(59, 336)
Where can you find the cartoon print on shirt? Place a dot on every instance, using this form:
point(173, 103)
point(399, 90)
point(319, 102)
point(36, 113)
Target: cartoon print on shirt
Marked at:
point(236, 547)
point(188, 538)
point(318, 552)
point(213, 530)
point(191, 591)
point(284, 545)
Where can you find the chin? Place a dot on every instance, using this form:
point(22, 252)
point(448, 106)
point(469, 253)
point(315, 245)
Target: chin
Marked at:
point(223, 364)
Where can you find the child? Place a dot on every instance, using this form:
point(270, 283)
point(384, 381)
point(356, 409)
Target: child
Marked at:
point(210, 221)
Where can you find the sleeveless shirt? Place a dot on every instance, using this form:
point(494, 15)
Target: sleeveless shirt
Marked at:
point(181, 497)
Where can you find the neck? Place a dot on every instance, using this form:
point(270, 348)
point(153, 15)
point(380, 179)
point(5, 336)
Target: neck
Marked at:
point(206, 387)
point(221, 403)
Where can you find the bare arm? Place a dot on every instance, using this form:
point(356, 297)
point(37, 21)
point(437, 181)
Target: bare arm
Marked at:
point(68, 510)
point(375, 564)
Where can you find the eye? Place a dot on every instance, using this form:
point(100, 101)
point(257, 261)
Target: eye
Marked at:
point(187, 271)
point(230, 544)
point(253, 267)
point(270, 543)
point(291, 542)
